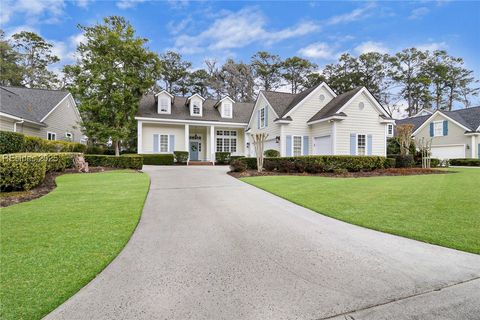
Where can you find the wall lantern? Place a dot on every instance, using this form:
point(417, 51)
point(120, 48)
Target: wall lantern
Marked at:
point(248, 144)
point(277, 139)
point(468, 147)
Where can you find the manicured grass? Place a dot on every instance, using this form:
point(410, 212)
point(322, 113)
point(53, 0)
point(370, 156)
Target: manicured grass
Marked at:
point(53, 246)
point(442, 209)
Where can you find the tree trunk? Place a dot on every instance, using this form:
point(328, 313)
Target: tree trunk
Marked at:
point(116, 143)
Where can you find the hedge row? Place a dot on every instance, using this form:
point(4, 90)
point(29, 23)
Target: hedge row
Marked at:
point(13, 142)
point(127, 161)
point(158, 159)
point(23, 171)
point(465, 162)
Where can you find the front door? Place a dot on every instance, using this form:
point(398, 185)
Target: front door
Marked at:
point(193, 150)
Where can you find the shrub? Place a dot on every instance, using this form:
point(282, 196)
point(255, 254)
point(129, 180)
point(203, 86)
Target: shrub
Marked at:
point(238, 166)
point(434, 162)
point(319, 164)
point(389, 163)
point(181, 156)
point(158, 159)
point(235, 158)
point(94, 150)
point(222, 157)
point(404, 161)
point(251, 162)
point(128, 161)
point(21, 171)
point(271, 153)
point(36, 144)
point(465, 162)
point(11, 142)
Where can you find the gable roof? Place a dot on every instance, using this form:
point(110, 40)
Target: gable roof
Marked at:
point(284, 102)
point(469, 118)
point(332, 107)
point(180, 110)
point(29, 104)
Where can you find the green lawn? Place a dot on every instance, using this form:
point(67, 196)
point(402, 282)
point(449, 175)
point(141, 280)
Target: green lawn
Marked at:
point(52, 246)
point(441, 209)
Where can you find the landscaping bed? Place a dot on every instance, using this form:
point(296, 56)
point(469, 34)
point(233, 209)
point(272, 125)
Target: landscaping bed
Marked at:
point(344, 174)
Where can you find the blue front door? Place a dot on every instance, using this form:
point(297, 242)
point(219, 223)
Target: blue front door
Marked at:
point(193, 150)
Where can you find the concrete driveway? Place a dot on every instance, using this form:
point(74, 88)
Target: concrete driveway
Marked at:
point(211, 247)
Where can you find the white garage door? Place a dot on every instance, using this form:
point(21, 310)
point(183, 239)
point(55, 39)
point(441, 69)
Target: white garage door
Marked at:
point(448, 152)
point(323, 145)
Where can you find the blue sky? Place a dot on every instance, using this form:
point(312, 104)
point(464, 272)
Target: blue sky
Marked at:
point(319, 31)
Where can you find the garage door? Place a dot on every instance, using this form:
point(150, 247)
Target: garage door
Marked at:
point(448, 152)
point(323, 145)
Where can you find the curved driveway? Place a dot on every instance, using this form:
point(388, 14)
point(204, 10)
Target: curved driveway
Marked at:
point(211, 247)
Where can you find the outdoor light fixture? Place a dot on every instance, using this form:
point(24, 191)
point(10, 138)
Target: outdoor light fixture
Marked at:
point(248, 144)
point(277, 139)
point(468, 147)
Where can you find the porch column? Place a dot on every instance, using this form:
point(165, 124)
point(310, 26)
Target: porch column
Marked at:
point(187, 137)
point(246, 151)
point(283, 142)
point(139, 137)
point(473, 148)
point(212, 144)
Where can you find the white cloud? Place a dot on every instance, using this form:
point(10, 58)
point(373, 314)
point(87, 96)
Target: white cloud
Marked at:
point(418, 13)
point(10, 32)
point(127, 4)
point(178, 4)
point(432, 46)
point(354, 15)
point(237, 30)
point(176, 27)
point(319, 50)
point(75, 40)
point(83, 3)
point(48, 10)
point(371, 46)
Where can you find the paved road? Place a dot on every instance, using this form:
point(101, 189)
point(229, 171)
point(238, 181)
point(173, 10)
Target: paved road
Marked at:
point(211, 247)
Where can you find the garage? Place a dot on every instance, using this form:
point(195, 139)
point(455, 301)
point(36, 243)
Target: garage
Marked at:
point(323, 145)
point(448, 152)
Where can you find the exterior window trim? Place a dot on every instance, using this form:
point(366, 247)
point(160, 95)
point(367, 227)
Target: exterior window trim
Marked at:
point(293, 145)
point(366, 144)
point(262, 118)
point(390, 130)
point(192, 108)
point(52, 133)
point(441, 128)
point(227, 106)
point(161, 110)
point(160, 143)
point(228, 137)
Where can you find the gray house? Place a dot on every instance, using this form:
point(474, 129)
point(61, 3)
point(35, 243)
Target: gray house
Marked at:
point(48, 114)
point(454, 134)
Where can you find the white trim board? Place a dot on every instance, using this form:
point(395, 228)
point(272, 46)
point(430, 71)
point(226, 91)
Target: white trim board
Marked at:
point(197, 122)
point(255, 108)
point(301, 102)
point(433, 115)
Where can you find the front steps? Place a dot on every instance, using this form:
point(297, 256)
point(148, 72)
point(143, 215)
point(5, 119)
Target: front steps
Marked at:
point(200, 163)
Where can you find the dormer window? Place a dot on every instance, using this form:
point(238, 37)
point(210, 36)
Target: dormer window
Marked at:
point(196, 109)
point(195, 103)
point(226, 107)
point(164, 102)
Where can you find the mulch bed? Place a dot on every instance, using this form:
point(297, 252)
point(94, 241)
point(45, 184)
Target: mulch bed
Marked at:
point(361, 174)
point(47, 185)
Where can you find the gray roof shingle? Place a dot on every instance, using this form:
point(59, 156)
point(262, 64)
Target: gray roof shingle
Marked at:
point(180, 111)
point(29, 104)
point(335, 104)
point(469, 117)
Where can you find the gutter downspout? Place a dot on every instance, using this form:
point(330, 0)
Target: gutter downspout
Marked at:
point(15, 125)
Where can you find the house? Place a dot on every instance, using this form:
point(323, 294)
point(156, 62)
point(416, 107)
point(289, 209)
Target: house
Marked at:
point(168, 123)
point(48, 114)
point(313, 122)
point(318, 122)
point(454, 134)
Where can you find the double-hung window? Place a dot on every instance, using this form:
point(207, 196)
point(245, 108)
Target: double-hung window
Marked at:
point(297, 146)
point(262, 118)
point(164, 143)
point(227, 141)
point(438, 128)
point(196, 109)
point(164, 105)
point(361, 144)
point(390, 130)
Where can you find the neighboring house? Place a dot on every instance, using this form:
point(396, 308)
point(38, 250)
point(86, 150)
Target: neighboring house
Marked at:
point(313, 122)
point(454, 134)
point(318, 122)
point(167, 123)
point(48, 114)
